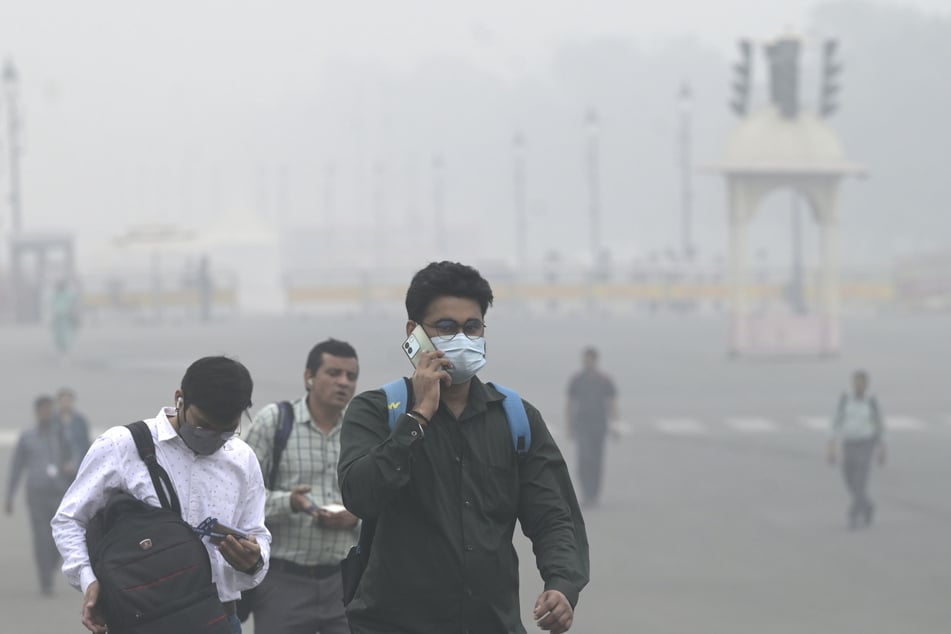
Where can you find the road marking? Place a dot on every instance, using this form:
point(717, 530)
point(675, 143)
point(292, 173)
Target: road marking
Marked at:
point(816, 423)
point(751, 425)
point(8, 438)
point(679, 426)
point(903, 423)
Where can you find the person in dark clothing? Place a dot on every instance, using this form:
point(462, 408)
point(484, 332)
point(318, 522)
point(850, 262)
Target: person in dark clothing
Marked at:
point(446, 487)
point(592, 406)
point(43, 453)
point(75, 427)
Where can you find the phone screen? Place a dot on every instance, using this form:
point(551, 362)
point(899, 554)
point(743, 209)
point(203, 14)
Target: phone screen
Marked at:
point(416, 344)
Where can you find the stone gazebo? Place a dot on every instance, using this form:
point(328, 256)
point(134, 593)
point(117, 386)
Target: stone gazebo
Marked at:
point(768, 152)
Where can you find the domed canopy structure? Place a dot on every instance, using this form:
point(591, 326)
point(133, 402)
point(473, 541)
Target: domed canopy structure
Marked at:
point(767, 143)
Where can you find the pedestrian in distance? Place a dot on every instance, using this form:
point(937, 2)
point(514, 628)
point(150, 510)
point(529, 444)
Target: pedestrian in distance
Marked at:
point(443, 470)
point(43, 454)
point(74, 424)
point(858, 431)
point(591, 409)
point(297, 444)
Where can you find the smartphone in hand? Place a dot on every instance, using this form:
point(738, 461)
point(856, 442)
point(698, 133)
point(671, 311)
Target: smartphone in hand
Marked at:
point(220, 532)
point(416, 344)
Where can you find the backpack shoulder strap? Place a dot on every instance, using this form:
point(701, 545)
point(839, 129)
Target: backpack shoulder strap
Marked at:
point(518, 419)
point(285, 423)
point(164, 489)
point(397, 395)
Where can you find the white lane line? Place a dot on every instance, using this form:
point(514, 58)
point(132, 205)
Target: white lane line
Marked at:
point(679, 426)
point(903, 423)
point(8, 438)
point(751, 425)
point(816, 423)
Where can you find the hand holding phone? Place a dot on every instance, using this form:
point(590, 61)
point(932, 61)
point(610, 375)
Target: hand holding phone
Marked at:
point(431, 366)
point(219, 532)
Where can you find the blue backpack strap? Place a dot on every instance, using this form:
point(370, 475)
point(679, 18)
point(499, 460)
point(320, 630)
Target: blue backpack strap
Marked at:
point(396, 396)
point(518, 419)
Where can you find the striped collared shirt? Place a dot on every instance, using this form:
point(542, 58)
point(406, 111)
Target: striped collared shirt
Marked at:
point(310, 458)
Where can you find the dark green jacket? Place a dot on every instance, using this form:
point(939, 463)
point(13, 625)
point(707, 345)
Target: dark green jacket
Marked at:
point(446, 503)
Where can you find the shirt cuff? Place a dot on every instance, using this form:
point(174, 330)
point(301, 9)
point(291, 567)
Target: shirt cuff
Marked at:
point(86, 577)
point(407, 431)
point(566, 588)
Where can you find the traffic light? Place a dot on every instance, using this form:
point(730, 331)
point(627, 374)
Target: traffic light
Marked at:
point(783, 56)
point(831, 70)
point(742, 72)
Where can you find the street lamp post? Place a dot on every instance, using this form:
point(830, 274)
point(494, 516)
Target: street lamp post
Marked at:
point(685, 98)
point(439, 203)
point(10, 85)
point(518, 189)
point(594, 189)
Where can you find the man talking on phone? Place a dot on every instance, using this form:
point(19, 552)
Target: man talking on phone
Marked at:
point(311, 530)
point(445, 485)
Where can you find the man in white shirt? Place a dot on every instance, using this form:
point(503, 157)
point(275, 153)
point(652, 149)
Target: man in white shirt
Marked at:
point(215, 474)
point(858, 428)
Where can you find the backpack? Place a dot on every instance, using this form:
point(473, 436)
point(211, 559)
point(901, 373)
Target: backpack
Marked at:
point(397, 396)
point(153, 569)
point(285, 422)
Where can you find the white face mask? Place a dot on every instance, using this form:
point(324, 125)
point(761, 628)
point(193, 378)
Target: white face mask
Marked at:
point(466, 355)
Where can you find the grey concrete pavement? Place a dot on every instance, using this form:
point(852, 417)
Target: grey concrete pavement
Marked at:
point(729, 529)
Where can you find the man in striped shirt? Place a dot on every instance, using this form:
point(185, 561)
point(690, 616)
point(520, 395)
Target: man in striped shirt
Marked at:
point(311, 532)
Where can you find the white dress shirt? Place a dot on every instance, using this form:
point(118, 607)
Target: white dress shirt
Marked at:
point(226, 485)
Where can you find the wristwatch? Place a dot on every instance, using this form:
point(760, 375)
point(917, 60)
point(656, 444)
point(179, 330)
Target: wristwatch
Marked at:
point(256, 568)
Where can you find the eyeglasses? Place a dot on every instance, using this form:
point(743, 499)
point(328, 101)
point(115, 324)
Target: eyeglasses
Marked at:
point(473, 328)
point(204, 429)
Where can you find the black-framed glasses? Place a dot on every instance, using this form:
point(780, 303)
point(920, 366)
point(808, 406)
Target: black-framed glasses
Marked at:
point(472, 328)
point(204, 429)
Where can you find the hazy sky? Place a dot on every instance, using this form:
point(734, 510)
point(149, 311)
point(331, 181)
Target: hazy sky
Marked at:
point(111, 84)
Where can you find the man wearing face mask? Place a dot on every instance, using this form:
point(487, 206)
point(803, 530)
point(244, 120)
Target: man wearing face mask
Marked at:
point(214, 473)
point(446, 485)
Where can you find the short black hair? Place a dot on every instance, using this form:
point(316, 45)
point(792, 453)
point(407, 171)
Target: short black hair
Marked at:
point(333, 347)
point(220, 386)
point(445, 279)
point(41, 401)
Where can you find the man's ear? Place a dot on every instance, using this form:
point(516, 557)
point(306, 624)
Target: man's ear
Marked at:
point(410, 327)
point(308, 378)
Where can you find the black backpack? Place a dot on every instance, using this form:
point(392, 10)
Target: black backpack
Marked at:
point(153, 570)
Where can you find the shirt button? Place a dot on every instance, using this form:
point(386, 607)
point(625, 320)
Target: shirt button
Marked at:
point(399, 468)
point(469, 548)
point(414, 433)
point(467, 503)
point(458, 459)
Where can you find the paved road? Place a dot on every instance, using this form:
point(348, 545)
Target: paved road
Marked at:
point(718, 515)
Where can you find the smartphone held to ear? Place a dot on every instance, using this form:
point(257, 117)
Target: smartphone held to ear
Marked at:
point(416, 344)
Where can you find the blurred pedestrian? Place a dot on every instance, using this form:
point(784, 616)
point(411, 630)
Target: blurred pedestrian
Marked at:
point(445, 482)
point(65, 313)
point(590, 411)
point(311, 530)
point(43, 453)
point(857, 433)
point(75, 427)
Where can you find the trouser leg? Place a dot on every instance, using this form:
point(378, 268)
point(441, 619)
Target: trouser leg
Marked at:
point(42, 507)
point(288, 603)
point(856, 465)
point(590, 463)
